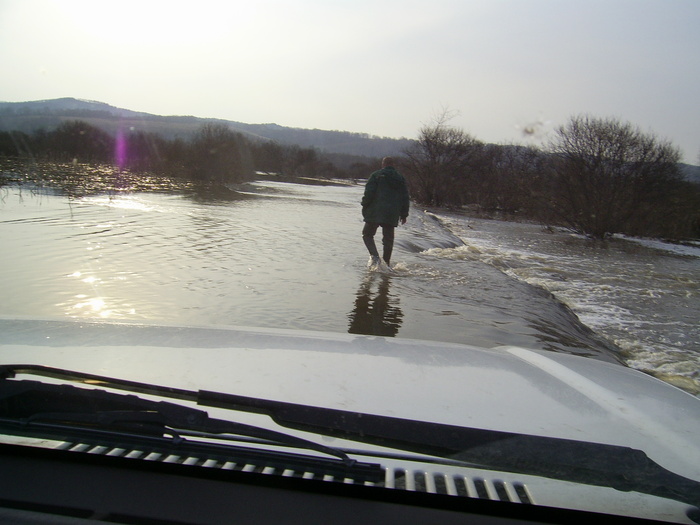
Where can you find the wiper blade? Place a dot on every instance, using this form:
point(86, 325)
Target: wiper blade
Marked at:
point(52, 406)
point(619, 467)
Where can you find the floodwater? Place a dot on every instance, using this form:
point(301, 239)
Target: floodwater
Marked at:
point(283, 255)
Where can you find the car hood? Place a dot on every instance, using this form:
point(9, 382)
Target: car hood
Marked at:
point(504, 388)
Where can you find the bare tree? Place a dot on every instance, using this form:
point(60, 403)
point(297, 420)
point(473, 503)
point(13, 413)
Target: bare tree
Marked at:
point(439, 162)
point(506, 179)
point(220, 154)
point(79, 140)
point(610, 177)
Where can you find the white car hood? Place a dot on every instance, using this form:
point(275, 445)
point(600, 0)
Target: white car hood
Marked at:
point(506, 388)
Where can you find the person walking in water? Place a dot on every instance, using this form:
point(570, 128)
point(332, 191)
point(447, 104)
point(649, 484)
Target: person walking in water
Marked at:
point(384, 203)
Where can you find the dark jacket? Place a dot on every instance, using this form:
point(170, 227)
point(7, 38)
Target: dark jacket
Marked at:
point(386, 197)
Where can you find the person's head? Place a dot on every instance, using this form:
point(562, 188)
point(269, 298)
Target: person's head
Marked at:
point(387, 161)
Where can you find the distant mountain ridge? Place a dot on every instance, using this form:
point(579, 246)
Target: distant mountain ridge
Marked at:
point(48, 114)
point(61, 105)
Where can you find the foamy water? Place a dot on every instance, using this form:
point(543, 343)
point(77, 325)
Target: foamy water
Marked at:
point(641, 294)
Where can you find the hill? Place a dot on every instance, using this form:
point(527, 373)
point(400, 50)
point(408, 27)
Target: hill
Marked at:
point(49, 114)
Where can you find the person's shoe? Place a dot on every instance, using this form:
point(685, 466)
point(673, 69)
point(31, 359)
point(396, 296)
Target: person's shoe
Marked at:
point(374, 261)
point(387, 267)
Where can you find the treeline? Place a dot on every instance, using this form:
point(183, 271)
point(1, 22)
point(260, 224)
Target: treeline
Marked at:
point(596, 177)
point(215, 154)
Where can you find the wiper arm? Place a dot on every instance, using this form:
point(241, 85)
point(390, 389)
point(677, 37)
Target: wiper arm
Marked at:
point(32, 402)
point(622, 468)
point(10, 371)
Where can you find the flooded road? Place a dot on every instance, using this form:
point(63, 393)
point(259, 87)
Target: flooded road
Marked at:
point(281, 255)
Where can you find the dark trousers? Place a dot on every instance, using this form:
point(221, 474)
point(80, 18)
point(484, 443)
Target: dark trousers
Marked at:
point(387, 239)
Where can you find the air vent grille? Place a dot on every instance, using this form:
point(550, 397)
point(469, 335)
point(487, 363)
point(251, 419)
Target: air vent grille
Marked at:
point(399, 479)
point(457, 485)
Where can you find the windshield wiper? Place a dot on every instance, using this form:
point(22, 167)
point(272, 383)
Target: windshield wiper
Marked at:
point(67, 410)
point(619, 467)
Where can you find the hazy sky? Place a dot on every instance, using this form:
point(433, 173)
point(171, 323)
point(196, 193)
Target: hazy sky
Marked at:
point(375, 66)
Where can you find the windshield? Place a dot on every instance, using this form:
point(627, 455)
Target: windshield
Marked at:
point(475, 215)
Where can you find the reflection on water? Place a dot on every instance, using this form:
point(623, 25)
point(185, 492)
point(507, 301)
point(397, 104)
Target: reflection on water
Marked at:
point(290, 257)
point(376, 312)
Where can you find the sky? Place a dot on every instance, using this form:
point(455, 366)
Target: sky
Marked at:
point(504, 71)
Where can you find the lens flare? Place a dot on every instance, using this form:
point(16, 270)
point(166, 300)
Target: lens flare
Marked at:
point(120, 149)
